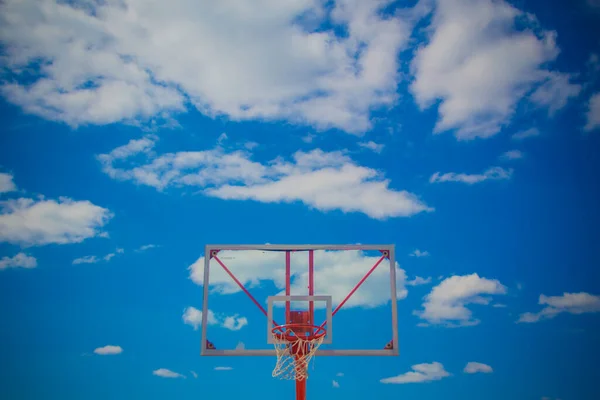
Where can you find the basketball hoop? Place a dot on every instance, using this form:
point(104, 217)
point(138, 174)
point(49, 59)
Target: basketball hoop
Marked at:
point(295, 345)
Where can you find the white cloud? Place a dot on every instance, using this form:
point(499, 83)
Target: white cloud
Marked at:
point(6, 183)
point(593, 63)
point(146, 247)
point(166, 373)
point(29, 222)
point(531, 132)
point(572, 303)
point(446, 303)
point(251, 145)
point(339, 374)
point(420, 373)
point(593, 113)
point(20, 260)
point(234, 323)
point(104, 62)
point(194, 374)
point(308, 138)
point(418, 281)
point(335, 384)
point(223, 368)
point(493, 173)
point(108, 350)
point(337, 272)
point(475, 367)
point(322, 180)
point(95, 259)
point(371, 145)
point(512, 155)
point(240, 346)
point(464, 65)
point(222, 138)
point(192, 316)
point(499, 305)
point(555, 92)
point(419, 253)
point(86, 260)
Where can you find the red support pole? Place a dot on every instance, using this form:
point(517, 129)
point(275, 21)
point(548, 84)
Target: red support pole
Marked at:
point(311, 283)
point(287, 285)
point(301, 389)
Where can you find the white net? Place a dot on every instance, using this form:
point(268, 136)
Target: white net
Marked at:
point(293, 358)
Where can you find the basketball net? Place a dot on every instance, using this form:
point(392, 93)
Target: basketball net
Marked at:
point(293, 357)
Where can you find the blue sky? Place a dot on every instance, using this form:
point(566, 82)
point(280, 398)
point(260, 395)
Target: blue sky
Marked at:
point(464, 132)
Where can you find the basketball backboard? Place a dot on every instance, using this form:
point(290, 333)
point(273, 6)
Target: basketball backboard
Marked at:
point(347, 289)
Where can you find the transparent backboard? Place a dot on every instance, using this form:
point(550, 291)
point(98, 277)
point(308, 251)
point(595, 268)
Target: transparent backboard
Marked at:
point(250, 289)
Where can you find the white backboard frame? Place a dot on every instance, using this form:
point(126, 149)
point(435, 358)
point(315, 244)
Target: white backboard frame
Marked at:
point(387, 249)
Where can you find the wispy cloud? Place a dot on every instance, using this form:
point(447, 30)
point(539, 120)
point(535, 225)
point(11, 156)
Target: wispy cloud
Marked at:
point(528, 133)
point(167, 373)
point(493, 173)
point(418, 281)
point(96, 259)
point(593, 113)
point(420, 373)
point(371, 145)
point(572, 303)
point(223, 368)
point(146, 247)
point(335, 384)
point(512, 155)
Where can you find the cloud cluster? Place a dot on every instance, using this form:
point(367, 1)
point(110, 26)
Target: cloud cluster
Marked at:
point(420, 373)
point(446, 303)
point(336, 273)
point(572, 303)
point(322, 180)
point(493, 173)
point(105, 62)
point(20, 260)
point(29, 222)
point(192, 316)
point(419, 253)
point(464, 68)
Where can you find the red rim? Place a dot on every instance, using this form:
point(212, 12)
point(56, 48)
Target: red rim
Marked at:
point(286, 331)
